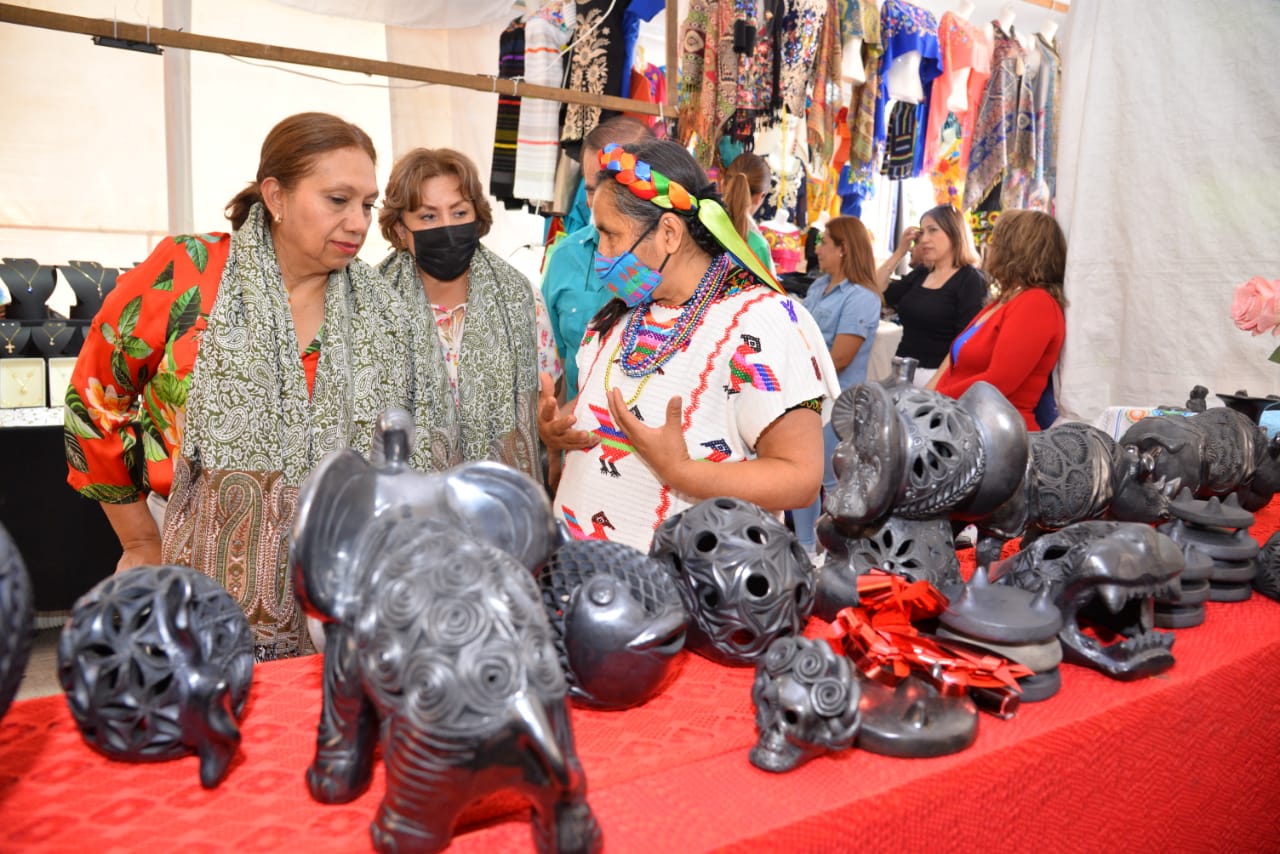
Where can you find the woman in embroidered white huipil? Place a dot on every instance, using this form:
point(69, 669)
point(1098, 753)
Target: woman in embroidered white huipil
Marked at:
point(701, 360)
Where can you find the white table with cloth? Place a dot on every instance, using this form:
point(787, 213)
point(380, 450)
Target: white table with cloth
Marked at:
point(888, 335)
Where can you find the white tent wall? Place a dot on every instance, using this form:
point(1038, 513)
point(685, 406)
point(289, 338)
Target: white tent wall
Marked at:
point(83, 172)
point(234, 103)
point(1168, 187)
point(82, 165)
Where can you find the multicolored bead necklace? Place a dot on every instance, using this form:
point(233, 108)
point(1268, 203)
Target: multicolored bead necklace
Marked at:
point(646, 347)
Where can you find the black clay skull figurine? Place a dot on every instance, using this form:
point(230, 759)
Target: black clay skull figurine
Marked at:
point(17, 619)
point(1105, 574)
point(156, 663)
point(437, 640)
point(743, 577)
point(618, 621)
point(806, 700)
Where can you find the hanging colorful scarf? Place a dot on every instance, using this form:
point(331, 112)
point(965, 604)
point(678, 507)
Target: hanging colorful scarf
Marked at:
point(497, 358)
point(253, 432)
point(825, 98)
point(864, 153)
point(708, 77)
point(989, 156)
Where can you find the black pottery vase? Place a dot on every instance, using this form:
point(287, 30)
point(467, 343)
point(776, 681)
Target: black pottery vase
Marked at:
point(156, 663)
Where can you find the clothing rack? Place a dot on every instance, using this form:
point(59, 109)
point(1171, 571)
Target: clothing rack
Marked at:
point(145, 36)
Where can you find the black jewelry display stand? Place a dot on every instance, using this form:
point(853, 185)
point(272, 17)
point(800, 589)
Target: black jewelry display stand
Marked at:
point(83, 550)
point(91, 282)
point(14, 338)
point(55, 337)
point(30, 285)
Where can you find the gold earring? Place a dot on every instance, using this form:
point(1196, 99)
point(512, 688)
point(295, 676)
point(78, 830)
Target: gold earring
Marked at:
point(279, 219)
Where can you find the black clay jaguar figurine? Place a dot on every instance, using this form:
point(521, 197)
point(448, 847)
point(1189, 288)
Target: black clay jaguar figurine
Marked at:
point(1104, 574)
point(436, 642)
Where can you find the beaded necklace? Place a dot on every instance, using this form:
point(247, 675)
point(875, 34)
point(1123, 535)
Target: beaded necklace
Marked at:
point(646, 347)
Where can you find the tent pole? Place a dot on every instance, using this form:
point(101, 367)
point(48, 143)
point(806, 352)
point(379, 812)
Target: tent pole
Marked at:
point(12, 14)
point(177, 122)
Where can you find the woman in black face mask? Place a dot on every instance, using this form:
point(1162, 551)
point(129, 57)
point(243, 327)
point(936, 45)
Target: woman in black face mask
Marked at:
point(493, 332)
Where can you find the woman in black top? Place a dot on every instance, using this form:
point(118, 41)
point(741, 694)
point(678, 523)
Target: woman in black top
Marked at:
point(936, 300)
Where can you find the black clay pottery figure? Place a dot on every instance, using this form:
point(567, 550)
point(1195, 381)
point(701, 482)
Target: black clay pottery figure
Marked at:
point(1105, 574)
point(618, 621)
point(1215, 452)
point(806, 699)
point(156, 663)
point(743, 577)
point(921, 455)
point(436, 643)
point(1267, 581)
point(1069, 478)
point(913, 720)
point(17, 619)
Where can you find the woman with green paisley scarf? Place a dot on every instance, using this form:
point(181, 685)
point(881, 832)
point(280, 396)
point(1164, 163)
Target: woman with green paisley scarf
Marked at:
point(263, 407)
point(490, 337)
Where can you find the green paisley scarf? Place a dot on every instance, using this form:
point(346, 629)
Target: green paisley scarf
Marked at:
point(249, 408)
point(497, 359)
point(253, 433)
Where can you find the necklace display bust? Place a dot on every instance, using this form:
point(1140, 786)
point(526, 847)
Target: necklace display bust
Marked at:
point(30, 286)
point(91, 282)
point(14, 338)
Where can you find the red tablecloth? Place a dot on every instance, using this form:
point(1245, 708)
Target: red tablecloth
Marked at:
point(1189, 760)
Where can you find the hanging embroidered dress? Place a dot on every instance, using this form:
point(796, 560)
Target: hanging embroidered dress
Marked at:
point(597, 64)
point(964, 47)
point(905, 28)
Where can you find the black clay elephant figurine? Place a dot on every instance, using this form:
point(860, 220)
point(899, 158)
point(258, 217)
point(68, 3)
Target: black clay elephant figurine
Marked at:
point(436, 641)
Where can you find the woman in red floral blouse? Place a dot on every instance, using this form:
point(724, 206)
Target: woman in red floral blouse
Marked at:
point(223, 368)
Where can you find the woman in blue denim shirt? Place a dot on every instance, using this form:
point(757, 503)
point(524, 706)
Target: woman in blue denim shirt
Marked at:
point(844, 302)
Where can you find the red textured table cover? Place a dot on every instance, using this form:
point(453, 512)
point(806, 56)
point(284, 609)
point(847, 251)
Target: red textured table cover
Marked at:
point(1187, 761)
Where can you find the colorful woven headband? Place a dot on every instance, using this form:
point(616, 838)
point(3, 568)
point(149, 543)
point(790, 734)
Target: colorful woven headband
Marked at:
point(649, 184)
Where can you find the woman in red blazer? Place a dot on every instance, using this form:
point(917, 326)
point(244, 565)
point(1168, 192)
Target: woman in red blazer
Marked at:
point(1015, 340)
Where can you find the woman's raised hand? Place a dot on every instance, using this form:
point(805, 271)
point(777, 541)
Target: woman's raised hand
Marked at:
point(555, 421)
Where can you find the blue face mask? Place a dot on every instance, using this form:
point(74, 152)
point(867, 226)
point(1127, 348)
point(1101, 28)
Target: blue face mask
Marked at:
point(630, 279)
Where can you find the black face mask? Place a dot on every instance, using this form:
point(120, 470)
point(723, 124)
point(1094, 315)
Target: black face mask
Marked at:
point(445, 253)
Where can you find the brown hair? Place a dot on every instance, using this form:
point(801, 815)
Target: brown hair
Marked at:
point(954, 226)
point(623, 130)
point(858, 265)
point(289, 153)
point(747, 175)
point(1027, 249)
point(404, 188)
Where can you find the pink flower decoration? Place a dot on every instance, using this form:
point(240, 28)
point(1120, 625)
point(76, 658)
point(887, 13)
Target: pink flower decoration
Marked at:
point(1256, 306)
